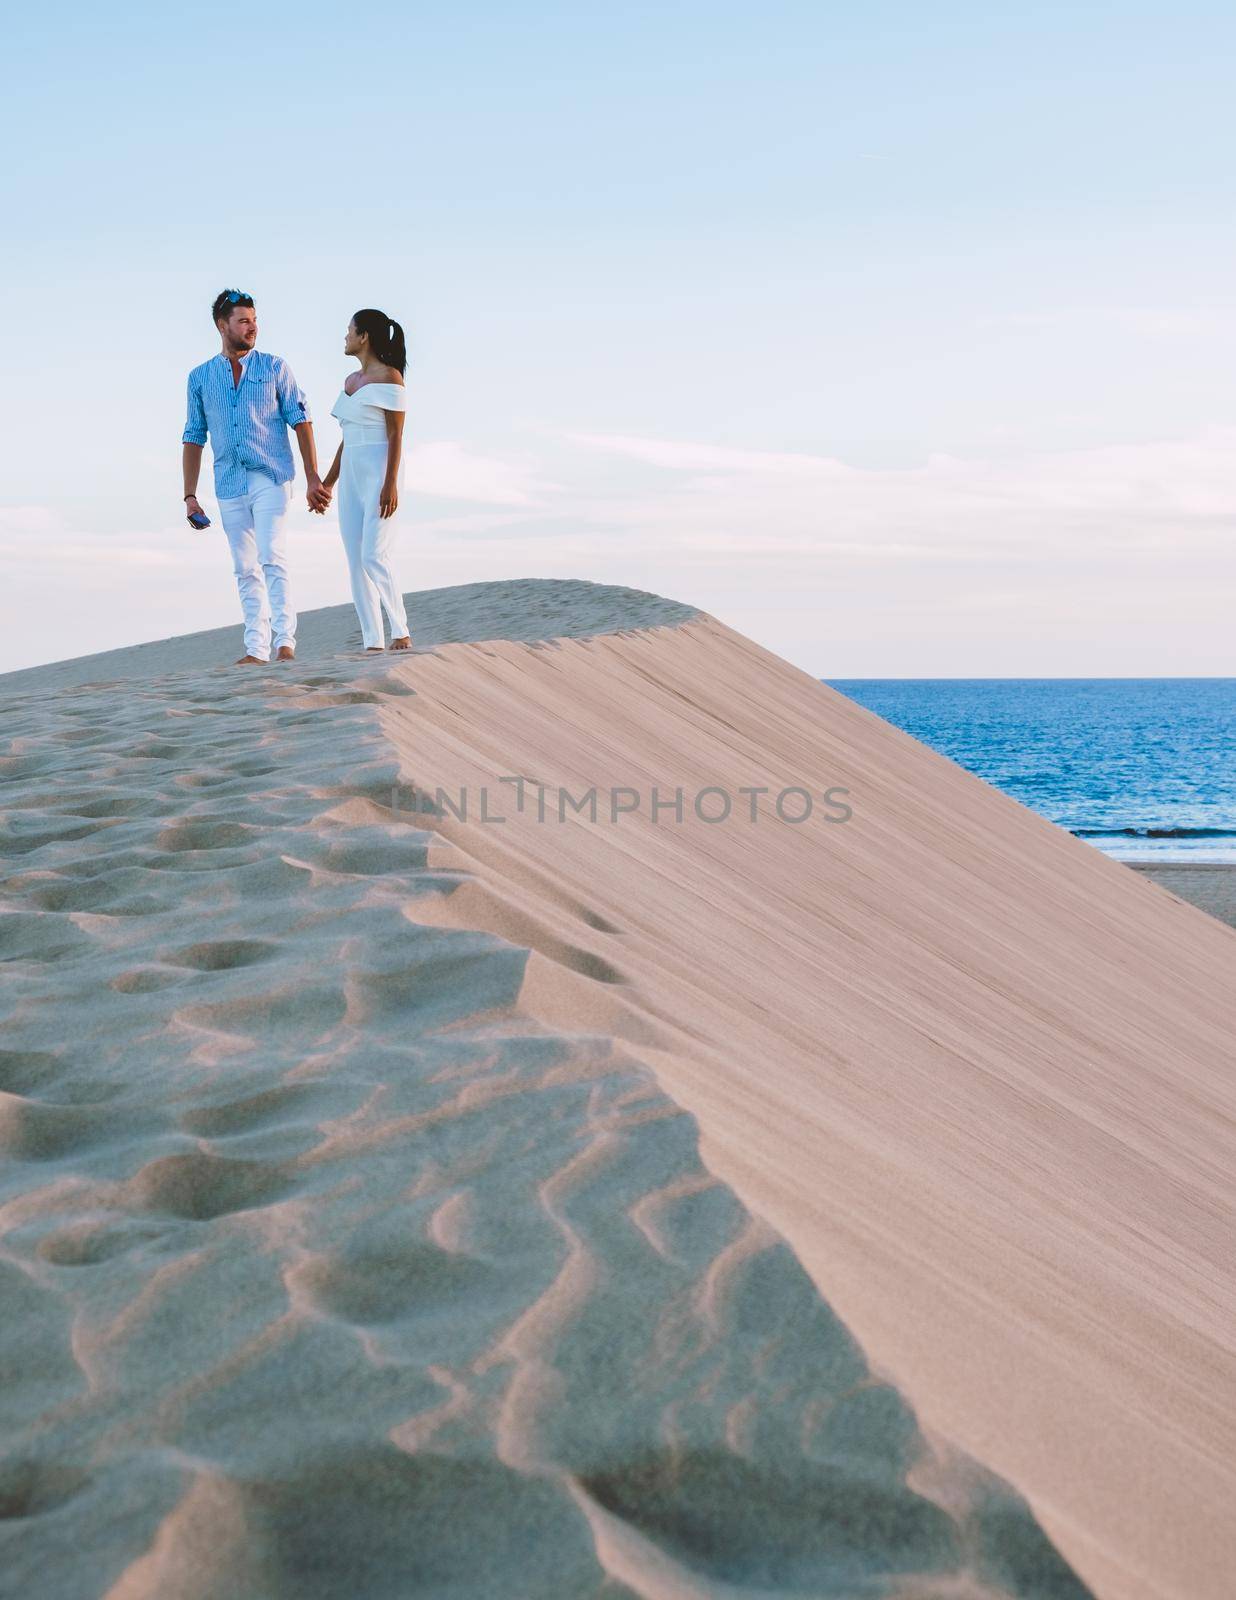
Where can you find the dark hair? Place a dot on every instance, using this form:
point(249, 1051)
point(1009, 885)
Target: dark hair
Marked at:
point(227, 301)
point(385, 338)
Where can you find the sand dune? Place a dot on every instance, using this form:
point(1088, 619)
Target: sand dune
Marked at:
point(397, 1204)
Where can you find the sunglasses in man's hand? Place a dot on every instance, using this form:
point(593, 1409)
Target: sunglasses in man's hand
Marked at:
point(199, 519)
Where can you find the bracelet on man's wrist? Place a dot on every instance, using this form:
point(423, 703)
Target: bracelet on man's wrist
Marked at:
point(192, 496)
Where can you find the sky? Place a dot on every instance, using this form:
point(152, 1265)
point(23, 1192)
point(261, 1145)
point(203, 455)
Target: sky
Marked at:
point(899, 337)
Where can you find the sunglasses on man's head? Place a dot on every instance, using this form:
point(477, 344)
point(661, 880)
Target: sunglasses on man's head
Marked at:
point(236, 296)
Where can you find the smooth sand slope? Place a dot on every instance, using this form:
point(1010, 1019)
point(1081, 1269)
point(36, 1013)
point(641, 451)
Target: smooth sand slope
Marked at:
point(397, 1204)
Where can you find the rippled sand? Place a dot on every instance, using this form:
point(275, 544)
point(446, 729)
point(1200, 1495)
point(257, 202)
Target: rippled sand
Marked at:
point(394, 1204)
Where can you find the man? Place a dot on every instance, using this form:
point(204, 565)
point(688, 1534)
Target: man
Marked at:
point(246, 401)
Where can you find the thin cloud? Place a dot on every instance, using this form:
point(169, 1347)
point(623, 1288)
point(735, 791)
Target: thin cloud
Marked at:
point(1105, 491)
point(1160, 322)
point(450, 471)
point(686, 456)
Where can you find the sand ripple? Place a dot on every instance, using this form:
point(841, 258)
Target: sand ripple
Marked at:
point(329, 1270)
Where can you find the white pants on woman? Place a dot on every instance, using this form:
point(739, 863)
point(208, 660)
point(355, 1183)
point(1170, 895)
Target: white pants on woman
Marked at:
point(367, 540)
point(256, 526)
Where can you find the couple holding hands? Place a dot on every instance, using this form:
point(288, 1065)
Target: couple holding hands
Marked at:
point(245, 401)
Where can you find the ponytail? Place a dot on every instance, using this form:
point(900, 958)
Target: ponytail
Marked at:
point(385, 338)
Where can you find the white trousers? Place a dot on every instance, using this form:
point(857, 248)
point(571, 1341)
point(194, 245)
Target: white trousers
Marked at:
point(367, 541)
point(256, 528)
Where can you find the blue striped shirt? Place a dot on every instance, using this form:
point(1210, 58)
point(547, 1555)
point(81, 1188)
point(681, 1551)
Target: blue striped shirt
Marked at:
point(248, 422)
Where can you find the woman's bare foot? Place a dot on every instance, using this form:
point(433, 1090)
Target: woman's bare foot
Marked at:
point(402, 644)
point(243, 661)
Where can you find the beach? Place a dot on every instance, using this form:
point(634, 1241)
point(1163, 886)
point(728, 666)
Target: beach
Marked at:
point(1209, 885)
point(585, 1109)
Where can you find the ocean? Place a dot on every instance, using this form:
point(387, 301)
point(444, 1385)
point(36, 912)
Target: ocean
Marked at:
point(1141, 768)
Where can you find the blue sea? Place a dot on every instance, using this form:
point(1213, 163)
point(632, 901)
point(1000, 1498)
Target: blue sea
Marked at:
point(1142, 768)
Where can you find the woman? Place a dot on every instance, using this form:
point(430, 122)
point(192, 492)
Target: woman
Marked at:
point(370, 411)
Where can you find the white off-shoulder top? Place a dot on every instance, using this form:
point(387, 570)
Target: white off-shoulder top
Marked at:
point(360, 414)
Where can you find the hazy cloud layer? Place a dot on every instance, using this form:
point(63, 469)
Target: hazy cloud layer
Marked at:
point(1093, 532)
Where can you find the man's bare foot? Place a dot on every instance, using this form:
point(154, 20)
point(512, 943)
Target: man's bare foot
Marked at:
point(402, 644)
point(374, 650)
point(285, 652)
point(244, 661)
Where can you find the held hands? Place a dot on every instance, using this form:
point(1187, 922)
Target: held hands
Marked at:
point(320, 494)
